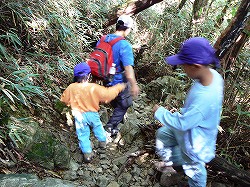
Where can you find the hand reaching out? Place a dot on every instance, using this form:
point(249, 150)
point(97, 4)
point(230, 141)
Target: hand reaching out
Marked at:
point(155, 108)
point(173, 110)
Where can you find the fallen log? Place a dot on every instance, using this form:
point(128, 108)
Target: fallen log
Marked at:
point(223, 168)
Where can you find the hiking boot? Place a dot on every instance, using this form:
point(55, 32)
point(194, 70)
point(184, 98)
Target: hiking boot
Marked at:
point(102, 145)
point(114, 133)
point(88, 157)
point(108, 128)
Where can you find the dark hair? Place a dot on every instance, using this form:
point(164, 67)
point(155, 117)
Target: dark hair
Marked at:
point(120, 26)
point(79, 79)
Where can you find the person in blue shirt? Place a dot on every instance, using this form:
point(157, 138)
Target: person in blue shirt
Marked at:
point(124, 61)
point(188, 137)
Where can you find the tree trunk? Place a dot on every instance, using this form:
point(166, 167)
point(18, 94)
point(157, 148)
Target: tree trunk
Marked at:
point(182, 3)
point(197, 6)
point(230, 42)
point(223, 12)
point(133, 8)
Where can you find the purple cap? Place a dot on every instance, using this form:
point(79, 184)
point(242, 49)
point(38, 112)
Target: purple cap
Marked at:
point(81, 69)
point(195, 50)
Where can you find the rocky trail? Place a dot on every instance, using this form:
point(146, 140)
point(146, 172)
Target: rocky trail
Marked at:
point(120, 165)
point(128, 161)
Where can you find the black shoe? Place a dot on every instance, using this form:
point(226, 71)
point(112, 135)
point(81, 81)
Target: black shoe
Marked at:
point(102, 145)
point(88, 157)
point(114, 133)
point(108, 128)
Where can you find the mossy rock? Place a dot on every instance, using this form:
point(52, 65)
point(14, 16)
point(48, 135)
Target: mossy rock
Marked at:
point(130, 129)
point(47, 151)
point(40, 146)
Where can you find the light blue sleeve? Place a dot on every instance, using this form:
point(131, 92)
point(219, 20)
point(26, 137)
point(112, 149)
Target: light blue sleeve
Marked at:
point(190, 119)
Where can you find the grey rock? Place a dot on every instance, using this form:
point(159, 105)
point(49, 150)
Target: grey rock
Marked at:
point(86, 175)
point(70, 175)
point(105, 162)
point(113, 184)
point(77, 156)
point(73, 165)
point(130, 130)
point(168, 179)
point(151, 171)
point(104, 115)
point(115, 168)
point(102, 181)
point(119, 161)
point(136, 171)
point(21, 180)
point(157, 185)
point(103, 156)
point(98, 170)
point(105, 167)
point(126, 178)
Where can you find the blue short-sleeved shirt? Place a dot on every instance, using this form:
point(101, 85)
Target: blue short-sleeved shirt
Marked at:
point(122, 55)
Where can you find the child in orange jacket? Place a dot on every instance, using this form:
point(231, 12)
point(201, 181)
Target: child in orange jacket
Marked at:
point(84, 98)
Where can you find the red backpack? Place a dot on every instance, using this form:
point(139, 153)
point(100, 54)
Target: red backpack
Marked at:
point(101, 58)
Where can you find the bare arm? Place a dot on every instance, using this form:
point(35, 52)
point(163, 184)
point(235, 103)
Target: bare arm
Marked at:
point(130, 75)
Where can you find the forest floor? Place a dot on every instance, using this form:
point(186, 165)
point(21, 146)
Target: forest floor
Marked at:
point(123, 164)
point(119, 166)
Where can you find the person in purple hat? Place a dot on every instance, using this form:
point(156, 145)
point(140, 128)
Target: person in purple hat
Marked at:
point(84, 97)
point(188, 137)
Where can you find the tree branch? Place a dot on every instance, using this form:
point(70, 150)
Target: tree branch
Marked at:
point(131, 9)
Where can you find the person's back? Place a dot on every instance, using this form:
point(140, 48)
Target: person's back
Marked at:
point(122, 56)
point(124, 61)
point(86, 97)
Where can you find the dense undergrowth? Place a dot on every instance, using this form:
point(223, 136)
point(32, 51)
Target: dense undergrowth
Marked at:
point(40, 42)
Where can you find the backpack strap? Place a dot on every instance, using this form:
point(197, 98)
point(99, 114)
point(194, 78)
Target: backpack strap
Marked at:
point(112, 42)
point(103, 38)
